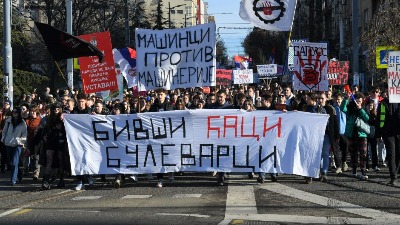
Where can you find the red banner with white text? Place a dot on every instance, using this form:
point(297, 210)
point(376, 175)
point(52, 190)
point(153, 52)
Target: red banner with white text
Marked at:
point(96, 76)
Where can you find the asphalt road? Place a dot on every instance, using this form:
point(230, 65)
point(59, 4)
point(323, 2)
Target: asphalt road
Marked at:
point(196, 199)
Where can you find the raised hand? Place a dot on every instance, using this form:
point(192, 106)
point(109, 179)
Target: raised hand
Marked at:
point(311, 71)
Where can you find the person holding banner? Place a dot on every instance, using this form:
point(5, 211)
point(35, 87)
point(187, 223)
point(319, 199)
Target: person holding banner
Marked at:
point(81, 108)
point(266, 104)
point(210, 101)
point(161, 104)
point(289, 97)
point(240, 98)
point(332, 130)
point(315, 104)
point(56, 145)
point(142, 105)
point(99, 109)
point(221, 104)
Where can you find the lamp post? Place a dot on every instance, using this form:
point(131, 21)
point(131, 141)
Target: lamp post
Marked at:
point(169, 12)
point(190, 17)
point(8, 84)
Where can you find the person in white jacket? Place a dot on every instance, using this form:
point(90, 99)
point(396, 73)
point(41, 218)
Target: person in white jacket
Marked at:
point(14, 138)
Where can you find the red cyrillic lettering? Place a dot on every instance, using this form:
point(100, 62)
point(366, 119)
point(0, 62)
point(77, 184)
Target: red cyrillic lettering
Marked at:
point(254, 129)
point(234, 126)
point(212, 128)
point(279, 125)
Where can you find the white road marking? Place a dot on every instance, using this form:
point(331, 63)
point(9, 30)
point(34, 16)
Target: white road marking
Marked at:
point(86, 198)
point(187, 196)
point(9, 212)
point(241, 204)
point(28, 205)
point(329, 202)
point(136, 196)
point(74, 210)
point(183, 214)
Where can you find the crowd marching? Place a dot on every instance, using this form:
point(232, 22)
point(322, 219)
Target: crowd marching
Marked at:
point(34, 143)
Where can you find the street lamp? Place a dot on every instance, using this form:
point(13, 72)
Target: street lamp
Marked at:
point(169, 12)
point(190, 17)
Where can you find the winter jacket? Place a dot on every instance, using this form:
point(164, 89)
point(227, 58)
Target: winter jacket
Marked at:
point(351, 119)
point(388, 121)
point(14, 136)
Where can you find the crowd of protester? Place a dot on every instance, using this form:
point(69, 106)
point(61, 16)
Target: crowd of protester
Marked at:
point(34, 138)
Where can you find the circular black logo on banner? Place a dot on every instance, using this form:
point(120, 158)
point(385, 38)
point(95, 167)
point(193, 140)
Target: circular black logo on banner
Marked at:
point(269, 11)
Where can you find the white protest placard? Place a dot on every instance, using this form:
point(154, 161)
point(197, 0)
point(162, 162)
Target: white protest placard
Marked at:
point(394, 77)
point(291, 52)
point(268, 70)
point(224, 140)
point(176, 58)
point(310, 66)
point(243, 76)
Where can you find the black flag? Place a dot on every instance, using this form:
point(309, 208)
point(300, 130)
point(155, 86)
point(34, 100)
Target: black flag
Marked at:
point(64, 46)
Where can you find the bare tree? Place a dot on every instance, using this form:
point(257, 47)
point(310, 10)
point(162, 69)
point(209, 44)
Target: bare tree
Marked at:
point(382, 30)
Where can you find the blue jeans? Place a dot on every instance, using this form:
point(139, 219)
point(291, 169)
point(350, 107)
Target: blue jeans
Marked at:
point(325, 155)
point(13, 154)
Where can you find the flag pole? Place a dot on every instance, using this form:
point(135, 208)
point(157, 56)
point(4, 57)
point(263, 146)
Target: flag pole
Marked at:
point(285, 65)
point(62, 75)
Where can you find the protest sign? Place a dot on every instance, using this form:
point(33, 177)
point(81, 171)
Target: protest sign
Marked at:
point(243, 76)
point(176, 58)
point(268, 70)
point(310, 66)
point(291, 52)
point(394, 77)
point(338, 72)
point(97, 76)
point(224, 77)
point(196, 140)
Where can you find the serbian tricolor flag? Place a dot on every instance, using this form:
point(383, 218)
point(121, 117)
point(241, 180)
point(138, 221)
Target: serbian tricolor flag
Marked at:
point(125, 61)
point(241, 62)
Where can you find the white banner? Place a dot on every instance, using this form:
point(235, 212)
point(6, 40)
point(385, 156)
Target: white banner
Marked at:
point(176, 58)
point(267, 70)
point(394, 77)
point(310, 66)
point(196, 140)
point(243, 76)
point(269, 15)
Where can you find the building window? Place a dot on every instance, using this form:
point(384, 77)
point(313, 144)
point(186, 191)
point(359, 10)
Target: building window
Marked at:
point(179, 11)
point(172, 11)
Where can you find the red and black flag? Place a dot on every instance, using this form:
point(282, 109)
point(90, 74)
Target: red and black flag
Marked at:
point(64, 46)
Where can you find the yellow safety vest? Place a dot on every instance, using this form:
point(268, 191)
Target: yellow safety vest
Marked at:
point(382, 115)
